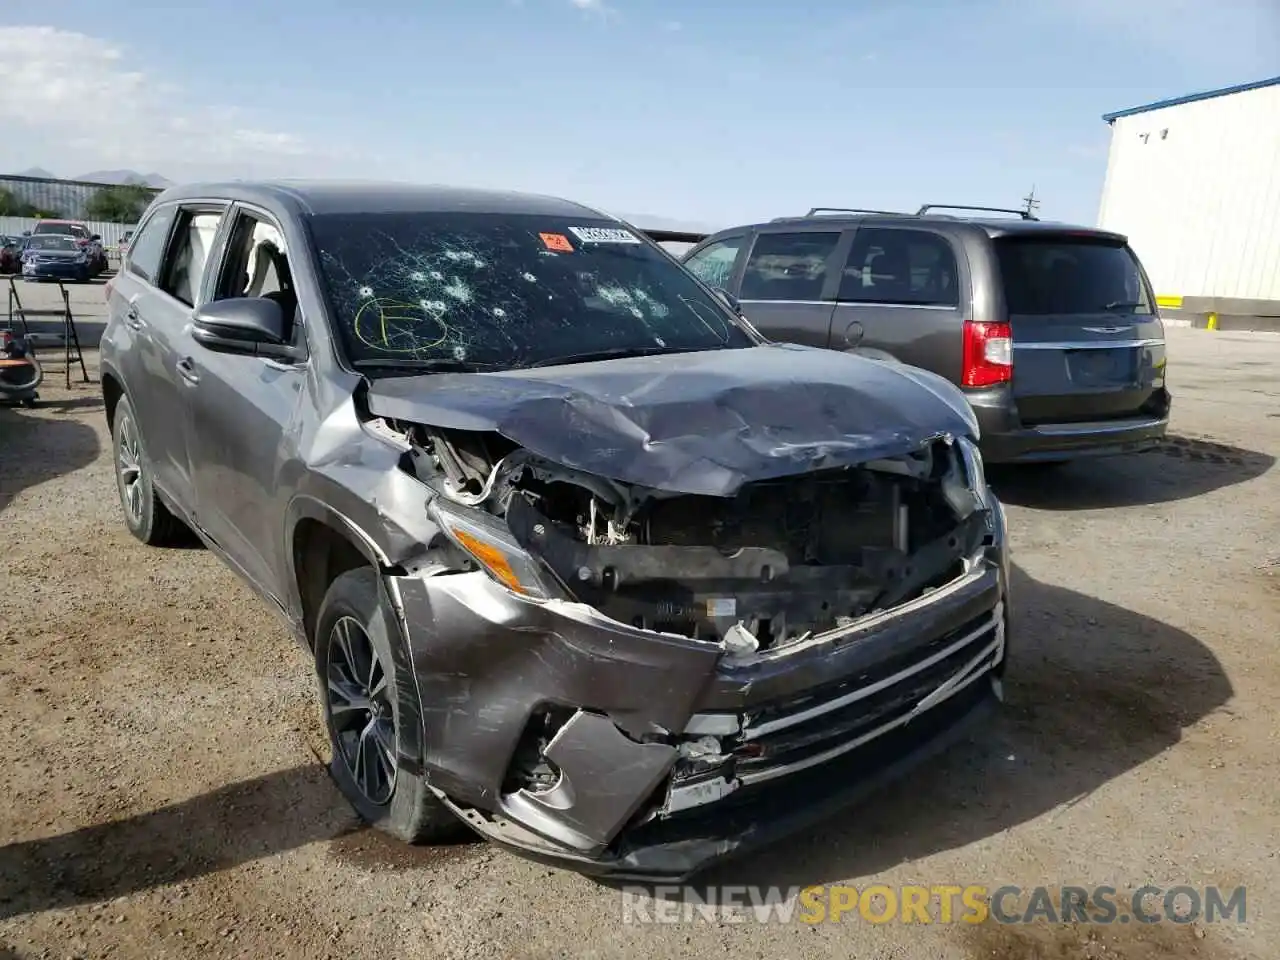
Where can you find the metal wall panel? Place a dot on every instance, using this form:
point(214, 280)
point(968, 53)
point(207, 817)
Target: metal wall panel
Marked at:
point(1196, 187)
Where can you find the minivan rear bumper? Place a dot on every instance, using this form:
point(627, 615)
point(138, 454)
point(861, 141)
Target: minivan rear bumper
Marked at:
point(1005, 439)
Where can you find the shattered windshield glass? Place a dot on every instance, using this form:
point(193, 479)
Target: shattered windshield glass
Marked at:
point(507, 290)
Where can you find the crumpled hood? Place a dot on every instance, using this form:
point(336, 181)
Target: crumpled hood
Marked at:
point(695, 423)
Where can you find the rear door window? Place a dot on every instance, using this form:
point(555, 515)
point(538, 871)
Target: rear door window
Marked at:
point(713, 264)
point(908, 267)
point(1067, 276)
point(148, 246)
point(788, 266)
point(192, 242)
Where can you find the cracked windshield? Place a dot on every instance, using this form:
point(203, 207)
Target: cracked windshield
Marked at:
point(499, 292)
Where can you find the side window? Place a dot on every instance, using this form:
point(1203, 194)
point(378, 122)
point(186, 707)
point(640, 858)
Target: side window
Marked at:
point(910, 267)
point(189, 253)
point(148, 246)
point(257, 265)
point(788, 266)
point(713, 264)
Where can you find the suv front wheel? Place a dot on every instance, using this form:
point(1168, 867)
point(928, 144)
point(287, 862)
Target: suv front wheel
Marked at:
point(360, 694)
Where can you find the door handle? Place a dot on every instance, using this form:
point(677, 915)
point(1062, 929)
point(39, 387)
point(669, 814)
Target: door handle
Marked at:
point(132, 318)
point(187, 370)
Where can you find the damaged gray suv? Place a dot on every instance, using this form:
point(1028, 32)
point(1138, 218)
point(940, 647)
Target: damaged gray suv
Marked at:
point(584, 562)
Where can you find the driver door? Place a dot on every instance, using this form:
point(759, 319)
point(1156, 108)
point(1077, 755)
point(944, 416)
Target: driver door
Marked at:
point(242, 410)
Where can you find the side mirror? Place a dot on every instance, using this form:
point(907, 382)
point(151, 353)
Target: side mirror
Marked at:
point(254, 326)
point(729, 299)
point(96, 237)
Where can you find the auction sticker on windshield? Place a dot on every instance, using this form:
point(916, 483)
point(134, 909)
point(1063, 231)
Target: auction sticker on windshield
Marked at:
point(604, 235)
point(557, 242)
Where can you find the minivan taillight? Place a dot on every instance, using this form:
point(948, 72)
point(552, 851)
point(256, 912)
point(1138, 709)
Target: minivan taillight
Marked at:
point(988, 354)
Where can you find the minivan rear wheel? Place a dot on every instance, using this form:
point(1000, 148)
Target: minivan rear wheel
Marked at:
point(360, 692)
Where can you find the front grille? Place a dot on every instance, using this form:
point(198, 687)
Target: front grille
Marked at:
point(783, 737)
point(754, 809)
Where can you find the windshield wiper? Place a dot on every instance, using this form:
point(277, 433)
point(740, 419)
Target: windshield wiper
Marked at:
point(436, 365)
point(614, 353)
point(1122, 304)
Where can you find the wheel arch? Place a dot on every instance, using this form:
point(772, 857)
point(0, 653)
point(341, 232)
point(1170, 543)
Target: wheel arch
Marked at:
point(322, 545)
point(112, 390)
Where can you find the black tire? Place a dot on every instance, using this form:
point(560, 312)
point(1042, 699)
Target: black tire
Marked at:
point(146, 517)
point(404, 808)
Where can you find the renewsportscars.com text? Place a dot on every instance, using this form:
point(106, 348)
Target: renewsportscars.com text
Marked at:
point(939, 903)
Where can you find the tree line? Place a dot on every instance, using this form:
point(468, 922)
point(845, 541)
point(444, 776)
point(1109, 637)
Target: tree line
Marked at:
point(113, 204)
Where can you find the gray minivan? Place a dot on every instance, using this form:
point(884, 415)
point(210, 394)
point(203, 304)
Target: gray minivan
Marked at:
point(1051, 330)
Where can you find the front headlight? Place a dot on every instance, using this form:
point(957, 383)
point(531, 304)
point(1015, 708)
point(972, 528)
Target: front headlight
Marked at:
point(486, 541)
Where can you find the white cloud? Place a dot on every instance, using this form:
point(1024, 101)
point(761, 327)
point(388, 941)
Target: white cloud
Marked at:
point(78, 106)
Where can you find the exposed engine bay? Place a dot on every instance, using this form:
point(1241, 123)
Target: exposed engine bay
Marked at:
point(781, 561)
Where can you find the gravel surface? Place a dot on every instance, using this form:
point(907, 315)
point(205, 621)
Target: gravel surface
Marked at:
point(167, 798)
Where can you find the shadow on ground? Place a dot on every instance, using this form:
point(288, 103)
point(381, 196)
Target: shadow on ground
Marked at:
point(227, 827)
point(1093, 691)
point(1179, 469)
point(35, 448)
point(70, 404)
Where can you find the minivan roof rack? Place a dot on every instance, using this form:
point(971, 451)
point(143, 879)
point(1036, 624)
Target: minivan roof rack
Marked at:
point(817, 211)
point(954, 206)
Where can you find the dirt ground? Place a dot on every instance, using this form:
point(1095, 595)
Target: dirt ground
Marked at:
point(166, 795)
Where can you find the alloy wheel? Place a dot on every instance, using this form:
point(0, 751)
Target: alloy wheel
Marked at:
point(360, 710)
point(129, 469)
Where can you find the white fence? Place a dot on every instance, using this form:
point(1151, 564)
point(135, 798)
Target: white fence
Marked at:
point(111, 233)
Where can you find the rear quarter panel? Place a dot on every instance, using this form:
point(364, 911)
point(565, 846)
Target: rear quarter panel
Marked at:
point(930, 337)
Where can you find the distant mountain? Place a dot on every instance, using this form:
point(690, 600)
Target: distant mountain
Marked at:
point(35, 172)
point(124, 177)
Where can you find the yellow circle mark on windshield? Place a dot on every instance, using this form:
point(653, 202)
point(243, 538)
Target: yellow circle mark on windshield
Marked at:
point(395, 326)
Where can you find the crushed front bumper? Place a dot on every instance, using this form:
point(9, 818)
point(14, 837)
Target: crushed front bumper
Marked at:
point(795, 733)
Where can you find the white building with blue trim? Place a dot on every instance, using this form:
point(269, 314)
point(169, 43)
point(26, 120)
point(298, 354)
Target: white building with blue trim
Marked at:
point(1194, 182)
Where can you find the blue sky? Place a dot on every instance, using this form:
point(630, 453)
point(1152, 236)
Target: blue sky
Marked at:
point(712, 113)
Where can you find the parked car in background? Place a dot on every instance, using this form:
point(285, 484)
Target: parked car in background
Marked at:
point(1051, 330)
point(583, 563)
point(86, 239)
point(55, 256)
point(11, 254)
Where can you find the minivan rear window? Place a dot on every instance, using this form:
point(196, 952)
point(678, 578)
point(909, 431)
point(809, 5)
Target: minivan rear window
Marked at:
point(1070, 275)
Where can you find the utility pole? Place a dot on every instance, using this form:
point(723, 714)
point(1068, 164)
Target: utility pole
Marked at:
point(1032, 204)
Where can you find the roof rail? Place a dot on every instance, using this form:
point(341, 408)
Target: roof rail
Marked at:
point(953, 206)
point(817, 211)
